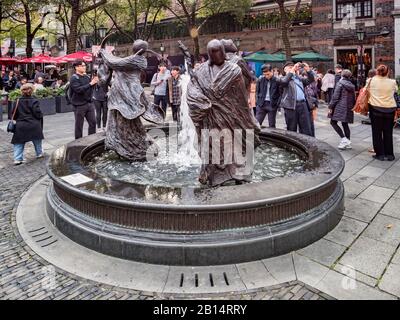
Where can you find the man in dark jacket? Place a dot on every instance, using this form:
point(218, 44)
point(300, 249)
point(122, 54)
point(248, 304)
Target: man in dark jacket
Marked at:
point(267, 95)
point(294, 99)
point(100, 103)
point(81, 98)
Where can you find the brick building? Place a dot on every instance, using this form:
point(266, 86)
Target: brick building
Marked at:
point(331, 29)
point(335, 25)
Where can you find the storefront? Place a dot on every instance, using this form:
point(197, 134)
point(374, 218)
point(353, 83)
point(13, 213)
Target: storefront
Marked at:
point(348, 58)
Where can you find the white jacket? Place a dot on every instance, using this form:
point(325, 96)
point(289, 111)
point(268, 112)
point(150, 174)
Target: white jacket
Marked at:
point(328, 82)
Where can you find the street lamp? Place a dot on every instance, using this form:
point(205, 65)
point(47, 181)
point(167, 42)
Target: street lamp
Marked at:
point(102, 32)
point(43, 44)
point(11, 49)
point(361, 36)
point(162, 50)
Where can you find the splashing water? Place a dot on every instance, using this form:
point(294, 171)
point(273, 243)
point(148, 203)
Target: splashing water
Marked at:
point(187, 149)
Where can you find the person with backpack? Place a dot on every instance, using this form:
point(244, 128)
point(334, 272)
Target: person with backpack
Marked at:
point(80, 95)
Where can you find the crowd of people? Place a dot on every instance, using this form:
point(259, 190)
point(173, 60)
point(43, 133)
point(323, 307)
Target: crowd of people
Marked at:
point(15, 78)
point(297, 91)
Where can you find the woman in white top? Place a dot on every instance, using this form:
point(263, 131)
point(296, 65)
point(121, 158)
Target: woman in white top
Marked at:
point(328, 84)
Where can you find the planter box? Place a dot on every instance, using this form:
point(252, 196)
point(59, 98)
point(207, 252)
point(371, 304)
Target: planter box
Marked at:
point(62, 106)
point(47, 105)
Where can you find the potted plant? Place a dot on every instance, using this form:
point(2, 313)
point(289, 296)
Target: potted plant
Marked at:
point(61, 101)
point(46, 100)
point(45, 97)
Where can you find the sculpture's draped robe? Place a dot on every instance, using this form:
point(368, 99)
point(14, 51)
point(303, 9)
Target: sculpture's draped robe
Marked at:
point(126, 103)
point(219, 102)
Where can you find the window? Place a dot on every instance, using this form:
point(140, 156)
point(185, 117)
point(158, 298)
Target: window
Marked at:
point(350, 8)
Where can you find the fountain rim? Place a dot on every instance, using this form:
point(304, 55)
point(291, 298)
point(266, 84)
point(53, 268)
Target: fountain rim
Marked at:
point(294, 137)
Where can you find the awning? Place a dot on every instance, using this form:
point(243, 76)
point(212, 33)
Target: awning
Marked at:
point(262, 56)
point(310, 56)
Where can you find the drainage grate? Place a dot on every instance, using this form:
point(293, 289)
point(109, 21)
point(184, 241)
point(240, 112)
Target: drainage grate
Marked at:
point(203, 279)
point(42, 237)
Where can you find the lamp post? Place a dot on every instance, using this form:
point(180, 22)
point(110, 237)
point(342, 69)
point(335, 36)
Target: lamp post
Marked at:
point(43, 44)
point(102, 32)
point(11, 49)
point(361, 73)
point(162, 50)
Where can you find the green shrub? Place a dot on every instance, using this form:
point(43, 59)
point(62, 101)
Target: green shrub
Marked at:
point(14, 95)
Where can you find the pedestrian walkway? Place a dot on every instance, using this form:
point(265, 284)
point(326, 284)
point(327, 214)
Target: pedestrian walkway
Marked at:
point(363, 247)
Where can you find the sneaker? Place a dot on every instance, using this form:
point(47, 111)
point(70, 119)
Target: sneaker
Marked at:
point(343, 144)
point(40, 156)
point(18, 163)
point(348, 146)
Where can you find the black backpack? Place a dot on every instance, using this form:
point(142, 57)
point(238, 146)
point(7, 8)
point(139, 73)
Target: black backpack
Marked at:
point(68, 91)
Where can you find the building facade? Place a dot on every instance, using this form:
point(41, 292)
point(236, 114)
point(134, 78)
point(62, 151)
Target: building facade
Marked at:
point(396, 15)
point(335, 26)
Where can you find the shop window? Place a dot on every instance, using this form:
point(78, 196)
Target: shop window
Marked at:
point(348, 58)
point(358, 9)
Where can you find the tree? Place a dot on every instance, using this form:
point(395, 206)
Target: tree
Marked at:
point(195, 13)
point(286, 22)
point(30, 15)
point(70, 13)
point(133, 18)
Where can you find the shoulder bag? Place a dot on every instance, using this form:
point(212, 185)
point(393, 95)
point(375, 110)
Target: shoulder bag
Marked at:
point(361, 106)
point(11, 127)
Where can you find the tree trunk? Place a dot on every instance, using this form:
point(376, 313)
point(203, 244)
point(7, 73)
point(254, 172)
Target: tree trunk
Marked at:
point(196, 48)
point(29, 48)
point(73, 32)
point(286, 41)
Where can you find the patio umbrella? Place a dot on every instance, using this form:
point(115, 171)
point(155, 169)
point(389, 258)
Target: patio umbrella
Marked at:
point(80, 55)
point(310, 56)
point(40, 59)
point(7, 60)
point(262, 56)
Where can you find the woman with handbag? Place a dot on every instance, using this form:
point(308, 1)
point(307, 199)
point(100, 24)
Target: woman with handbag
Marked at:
point(28, 125)
point(341, 108)
point(382, 108)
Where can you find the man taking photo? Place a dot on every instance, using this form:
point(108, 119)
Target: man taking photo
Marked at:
point(81, 87)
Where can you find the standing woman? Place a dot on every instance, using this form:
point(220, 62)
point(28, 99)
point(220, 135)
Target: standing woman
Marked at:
point(382, 108)
point(252, 95)
point(29, 125)
point(341, 108)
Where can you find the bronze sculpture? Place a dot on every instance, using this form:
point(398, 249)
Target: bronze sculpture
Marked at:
point(127, 102)
point(217, 100)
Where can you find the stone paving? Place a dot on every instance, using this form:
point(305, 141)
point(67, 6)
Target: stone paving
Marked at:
point(363, 247)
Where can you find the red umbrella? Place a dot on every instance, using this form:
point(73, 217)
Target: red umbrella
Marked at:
point(80, 55)
point(7, 60)
point(39, 59)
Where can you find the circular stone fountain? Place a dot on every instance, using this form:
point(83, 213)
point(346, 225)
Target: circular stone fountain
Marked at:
point(175, 221)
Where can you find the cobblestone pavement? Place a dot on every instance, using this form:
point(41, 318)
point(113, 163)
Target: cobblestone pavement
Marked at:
point(22, 271)
point(364, 246)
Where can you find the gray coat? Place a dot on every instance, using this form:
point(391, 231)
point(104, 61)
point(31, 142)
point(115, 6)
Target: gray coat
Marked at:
point(288, 98)
point(343, 101)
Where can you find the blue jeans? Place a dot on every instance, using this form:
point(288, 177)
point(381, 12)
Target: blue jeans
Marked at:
point(19, 149)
